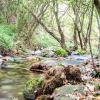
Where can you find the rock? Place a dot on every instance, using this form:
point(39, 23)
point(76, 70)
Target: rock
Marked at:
point(73, 74)
point(54, 71)
point(86, 78)
point(2, 64)
point(39, 67)
point(33, 88)
point(65, 92)
point(38, 53)
point(51, 84)
point(54, 78)
point(28, 95)
point(58, 76)
point(89, 88)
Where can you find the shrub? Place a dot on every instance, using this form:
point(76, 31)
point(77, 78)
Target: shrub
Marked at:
point(7, 35)
point(61, 52)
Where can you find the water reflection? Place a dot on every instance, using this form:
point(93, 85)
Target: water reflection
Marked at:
point(12, 82)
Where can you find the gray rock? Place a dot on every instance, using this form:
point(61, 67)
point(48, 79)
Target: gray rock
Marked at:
point(38, 53)
point(64, 92)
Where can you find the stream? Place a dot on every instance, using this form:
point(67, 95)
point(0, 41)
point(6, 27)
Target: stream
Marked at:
point(12, 82)
point(14, 77)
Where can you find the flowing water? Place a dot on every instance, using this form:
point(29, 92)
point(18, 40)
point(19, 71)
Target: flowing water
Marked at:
point(14, 78)
point(12, 82)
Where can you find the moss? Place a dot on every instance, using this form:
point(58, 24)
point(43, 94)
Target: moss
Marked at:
point(31, 85)
point(61, 52)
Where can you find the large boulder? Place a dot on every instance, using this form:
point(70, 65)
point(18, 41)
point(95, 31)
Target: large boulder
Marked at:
point(65, 92)
point(73, 74)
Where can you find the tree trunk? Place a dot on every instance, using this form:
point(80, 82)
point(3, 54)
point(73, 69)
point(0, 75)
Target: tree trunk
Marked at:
point(97, 5)
point(61, 40)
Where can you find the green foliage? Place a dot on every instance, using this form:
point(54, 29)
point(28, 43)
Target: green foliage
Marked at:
point(12, 27)
point(31, 85)
point(44, 40)
point(61, 52)
point(80, 52)
point(7, 34)
point(1, 19)
point(95, 51)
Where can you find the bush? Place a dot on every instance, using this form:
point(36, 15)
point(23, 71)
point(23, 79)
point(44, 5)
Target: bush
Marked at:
point(7, 35)
point(61, 52)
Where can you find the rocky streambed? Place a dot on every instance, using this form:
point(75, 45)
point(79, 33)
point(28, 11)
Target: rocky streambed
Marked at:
point(64, 79)
point(47, 77)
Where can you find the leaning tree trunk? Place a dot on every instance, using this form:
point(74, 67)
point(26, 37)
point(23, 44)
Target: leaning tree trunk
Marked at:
point(97, 5)
point(61, 40)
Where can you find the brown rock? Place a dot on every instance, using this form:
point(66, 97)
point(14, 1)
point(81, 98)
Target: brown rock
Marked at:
point(39, 67)
point(72, 73)
point(51, 84)
point(54, 72)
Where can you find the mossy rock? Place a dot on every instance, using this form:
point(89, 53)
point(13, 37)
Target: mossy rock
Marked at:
point(61, 52)
point(34, 83)
point(80, 52)
point(31, 87)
